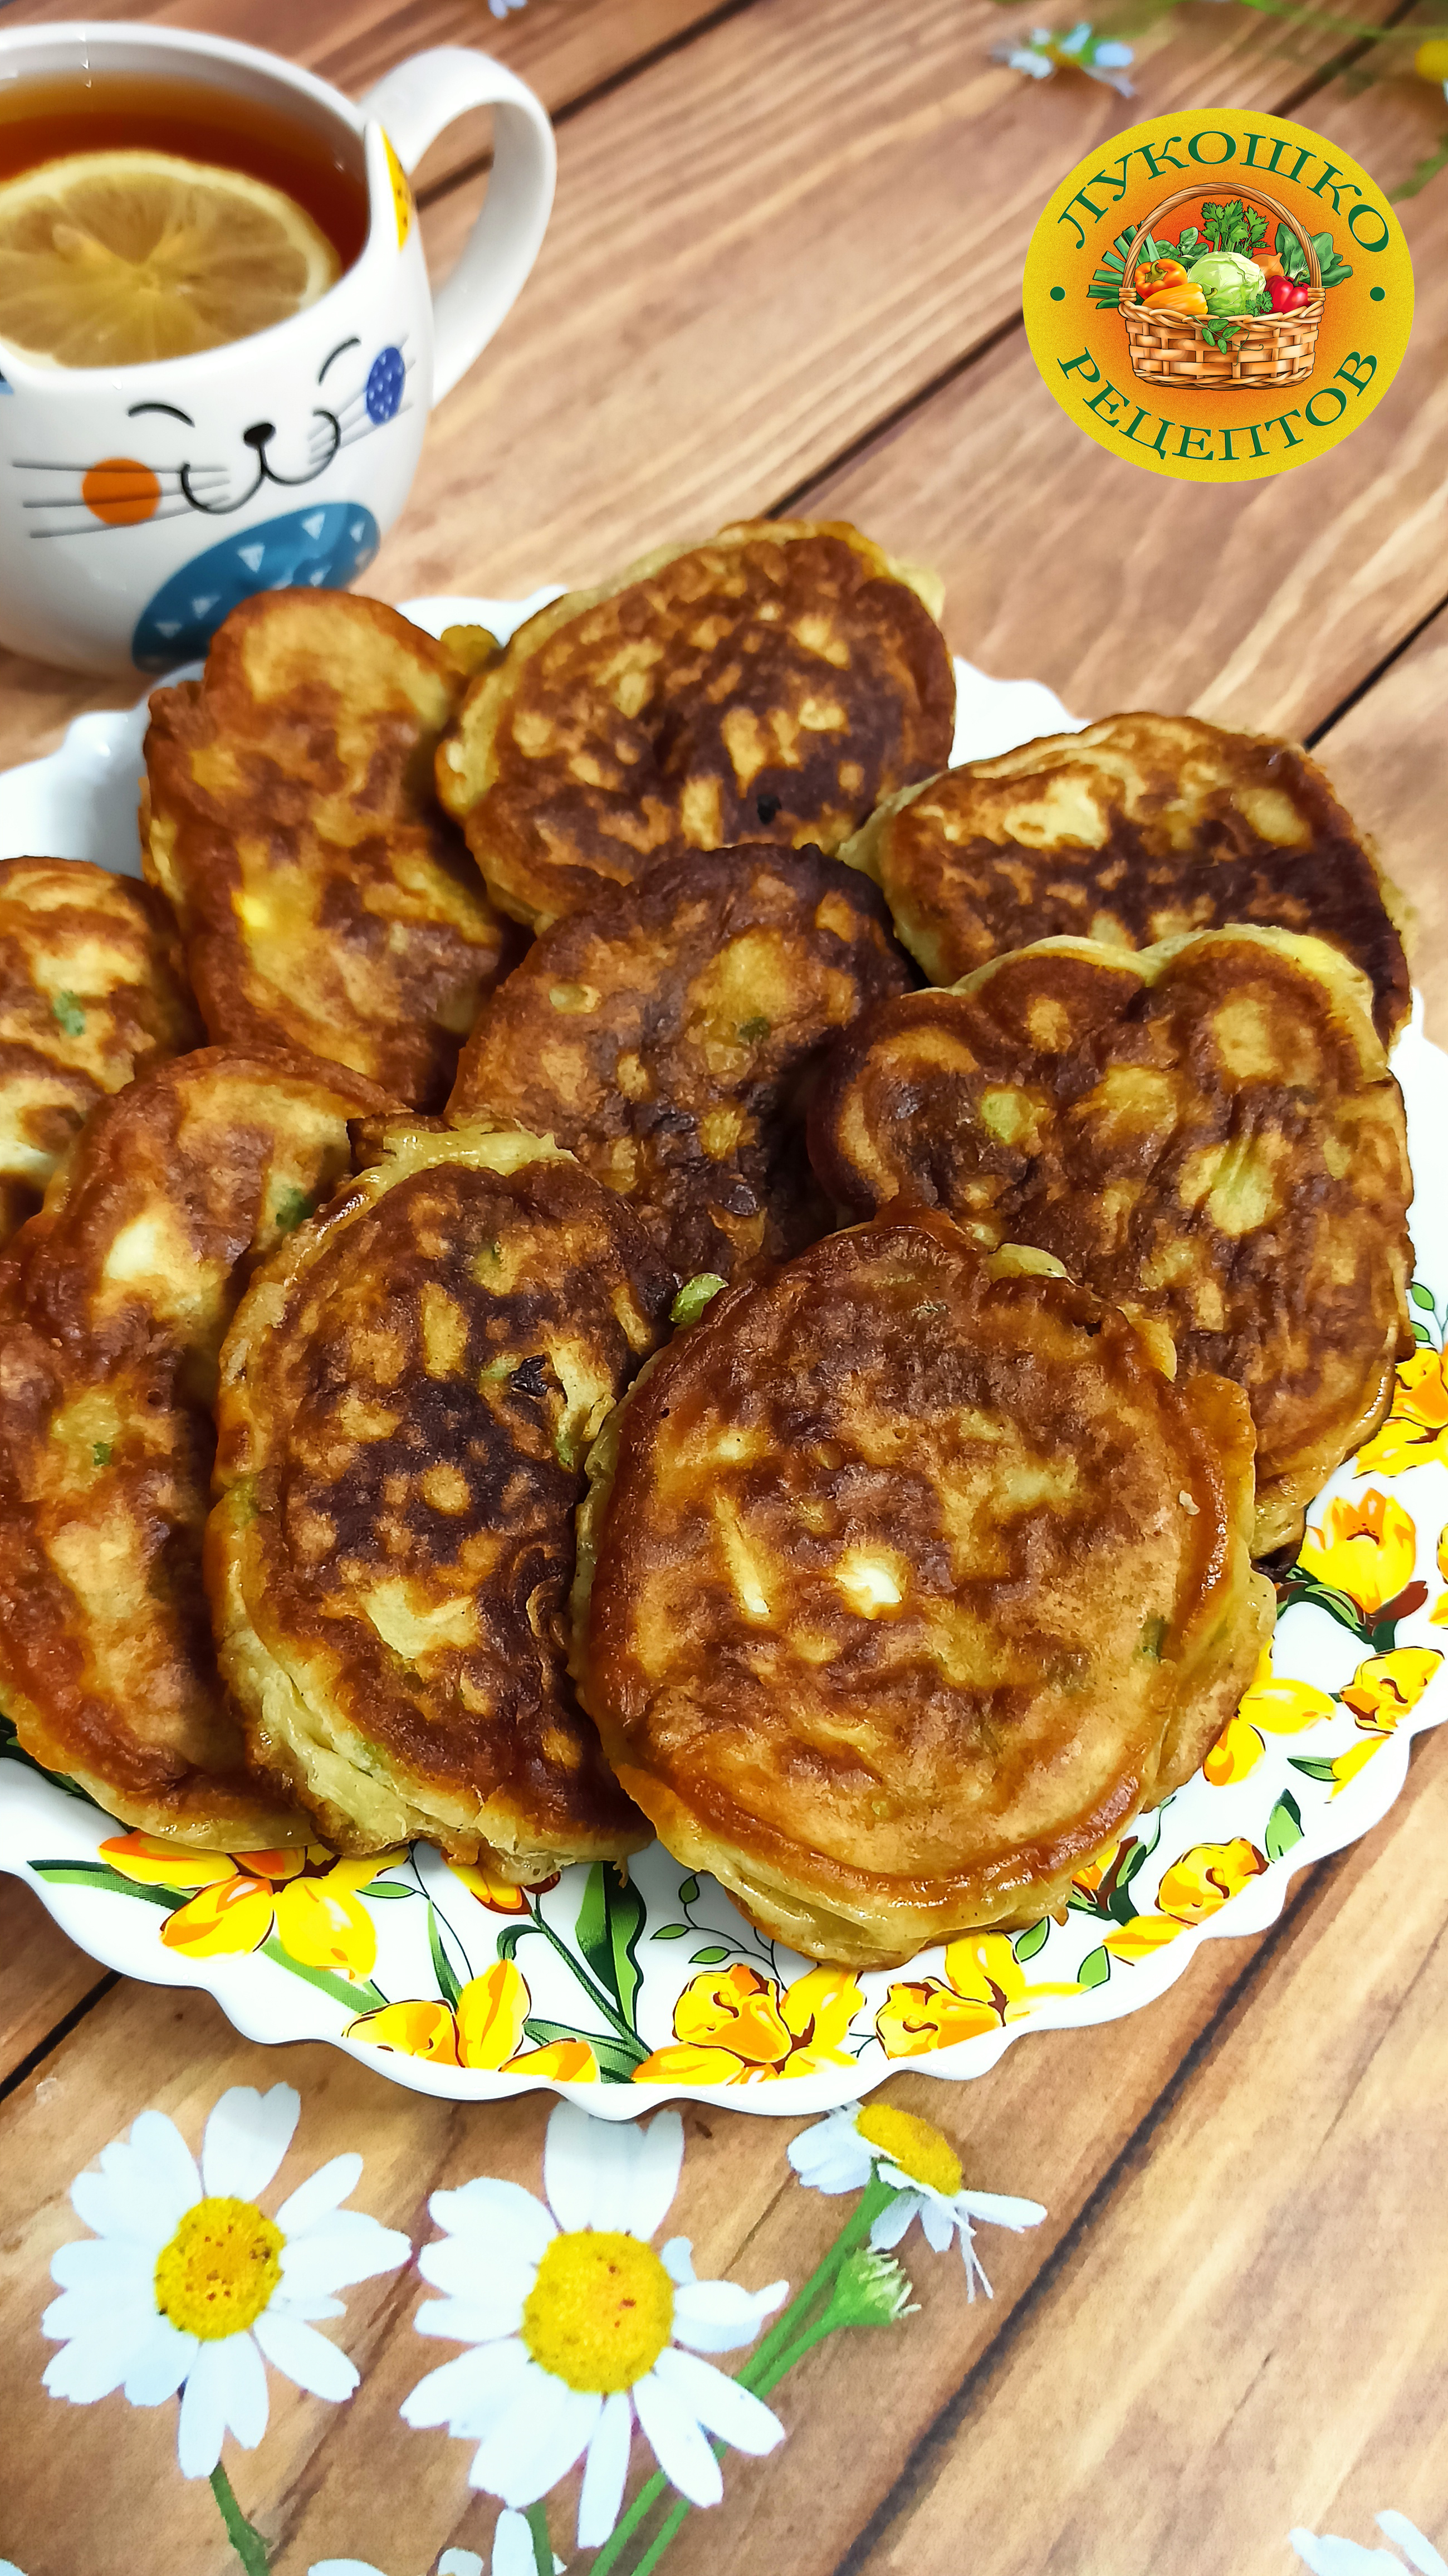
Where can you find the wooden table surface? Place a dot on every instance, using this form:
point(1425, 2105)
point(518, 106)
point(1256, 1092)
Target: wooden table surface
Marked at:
point(784, 271)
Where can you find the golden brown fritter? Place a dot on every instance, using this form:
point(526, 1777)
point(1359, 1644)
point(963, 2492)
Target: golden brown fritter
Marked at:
point(1207, 1128)
point(92, 990)
point(772, 684)
point(407, 1395)
point(1137, 830)
point(325, 899)
point(913, 1579)
point(113, 1304)
point(667, 1033)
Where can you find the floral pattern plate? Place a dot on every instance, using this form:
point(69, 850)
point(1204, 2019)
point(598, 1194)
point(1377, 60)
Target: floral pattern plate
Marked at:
point(621, 1988)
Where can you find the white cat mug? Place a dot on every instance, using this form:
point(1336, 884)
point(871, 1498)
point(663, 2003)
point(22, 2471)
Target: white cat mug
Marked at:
point(138, 504)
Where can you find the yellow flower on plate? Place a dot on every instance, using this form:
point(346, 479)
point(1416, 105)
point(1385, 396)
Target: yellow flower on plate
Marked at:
point(1367, 1550)
point(498, 1894)
point(1193, 1888)
point(483, 2029)
point(734, 2026)
point(1417, 1427)
point(307, 1898)
point(1438, 1616)
point(1273, 1705)
point(1386, 1687)
point(984, 1989)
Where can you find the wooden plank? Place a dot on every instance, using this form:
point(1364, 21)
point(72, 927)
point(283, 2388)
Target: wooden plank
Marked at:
point(1388, 756)
point(1261, 604)
point(1050, 2122)
point(762, 246)
point(43, 1976)
point(1251, 2335)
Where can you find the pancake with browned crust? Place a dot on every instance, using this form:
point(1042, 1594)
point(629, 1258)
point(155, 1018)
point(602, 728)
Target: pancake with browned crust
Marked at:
point(907, 1579)
point(772, 684)
point(667, 1034)
point(407, 1396)
point(92, 990)
point(113, 1305)
point(325, 899)
point(1139, 829)
point(1208, 1128)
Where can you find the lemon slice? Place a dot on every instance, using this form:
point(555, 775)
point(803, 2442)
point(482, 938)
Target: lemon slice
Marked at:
point(110, 258)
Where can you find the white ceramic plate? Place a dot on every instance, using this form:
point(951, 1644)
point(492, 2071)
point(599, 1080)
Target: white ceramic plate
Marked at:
point(473, 1992)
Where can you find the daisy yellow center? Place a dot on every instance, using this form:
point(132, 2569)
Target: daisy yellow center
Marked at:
point(219, 2269)
point(600, 2312)
point(915, 2145)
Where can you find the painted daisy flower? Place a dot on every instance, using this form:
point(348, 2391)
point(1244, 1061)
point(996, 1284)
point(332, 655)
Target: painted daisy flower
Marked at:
point(186, 2284)
point(1330, 2556)
point(513, 2555)
point(578, 2326)
point(917, 2162)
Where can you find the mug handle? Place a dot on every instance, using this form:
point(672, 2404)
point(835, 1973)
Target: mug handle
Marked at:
point(414, 103)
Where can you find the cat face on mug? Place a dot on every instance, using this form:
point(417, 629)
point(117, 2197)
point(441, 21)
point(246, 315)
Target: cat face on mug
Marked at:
point(181, 472)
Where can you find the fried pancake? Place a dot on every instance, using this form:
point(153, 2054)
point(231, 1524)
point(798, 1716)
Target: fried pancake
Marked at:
point(1137, 830)
point(1207, 1128)
point(908, 1578)
point(771, 685)
point(407, 1395)
point(667, 1032)
point(325, 900)
point(92, 991)
point(113, 1305)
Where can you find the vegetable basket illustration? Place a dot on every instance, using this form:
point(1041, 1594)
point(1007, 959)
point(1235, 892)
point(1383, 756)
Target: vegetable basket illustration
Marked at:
point(1184, 342)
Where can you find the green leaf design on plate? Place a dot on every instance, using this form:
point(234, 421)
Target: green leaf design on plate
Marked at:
point(688, 1891)
point(98, 1874)
point(1284, 1827)
point(616, 2057)
point(670, 1932)
point(1312, 1768)
point(713, 1957)
point(1421, 1332)
point(447, 1984)
point(1034, 1938)
point(610, 1921)
point(1421, 1296)
point(1094, 1970)
point(388, 1889)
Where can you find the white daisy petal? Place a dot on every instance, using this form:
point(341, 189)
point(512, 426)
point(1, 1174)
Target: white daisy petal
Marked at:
point(121, 2209)
point(161, 2364)
point(605, 2473)
point(466, 2562)
point(535, 2440)
point(346, 2567)
point(513, 2553)
point(677, 2258)
point(80, 2312)
point(831, 2157)
point(246, 2138)
point(655, 2177)
point(460, 2271)
point(202, 2427)
point(719, 2403)
point(246, 2398)
point(313, 2312)
point(319, 2195)
point(895, 2222)
point(588, 2168)
point(460, 2321)
point(339, 2250)
point(717, 2316)
point(91, 2365)
point(938, 2225)
point(469, 2393)
point(119, 2266)
point(171, 2166)
point(1420, 2553)
point(679, 2447)
point(500, 2216)
point(1000, 2208)
point(304, 2355)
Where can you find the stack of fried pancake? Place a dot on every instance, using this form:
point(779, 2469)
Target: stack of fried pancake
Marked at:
point(590, 1347)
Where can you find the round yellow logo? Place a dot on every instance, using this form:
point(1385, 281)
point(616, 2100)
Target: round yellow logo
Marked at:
point(1218, 295)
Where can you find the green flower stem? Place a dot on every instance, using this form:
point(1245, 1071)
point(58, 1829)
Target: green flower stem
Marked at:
point(594, 1992)
point(778, 2369)
point(245, 2539)
point(536, 2518)
point(788, 2340)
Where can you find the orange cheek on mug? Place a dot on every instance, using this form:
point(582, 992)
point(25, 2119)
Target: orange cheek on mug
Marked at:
point(120, 491)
